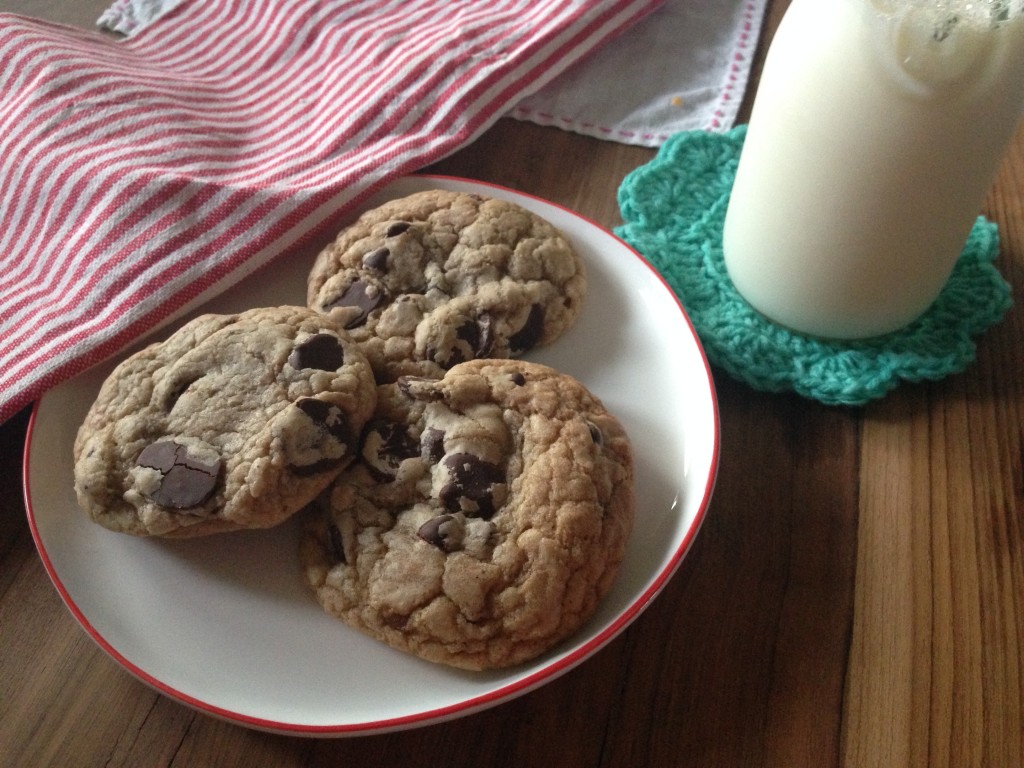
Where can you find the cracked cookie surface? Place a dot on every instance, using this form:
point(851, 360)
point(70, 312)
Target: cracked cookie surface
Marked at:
point(486, 517)
point(438, 278)
point(234, 421)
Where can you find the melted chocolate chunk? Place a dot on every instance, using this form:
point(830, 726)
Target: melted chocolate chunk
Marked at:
point(161, 456)
point(518, 379)
point(322, 351)
point(187, 481)
point(397, 228)
point(469, 336)
point(432, 445)
point(377, 259)
point(471, 485)
point(328, 417)
point(469, 332)
point(473, 339)
point(385, 446)
point(333, 421)
point(434, 532)
point(528, 336)
point(362, 295)
point(399, 443)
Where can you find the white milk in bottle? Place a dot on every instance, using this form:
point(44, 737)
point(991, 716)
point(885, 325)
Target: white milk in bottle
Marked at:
point(877, 129)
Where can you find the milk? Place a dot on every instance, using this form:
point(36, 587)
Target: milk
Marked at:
point(876, 131)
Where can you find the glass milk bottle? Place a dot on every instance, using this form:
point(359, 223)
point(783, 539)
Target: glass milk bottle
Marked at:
point(877, 129)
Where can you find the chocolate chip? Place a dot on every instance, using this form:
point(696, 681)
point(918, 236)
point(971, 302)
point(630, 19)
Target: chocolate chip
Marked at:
point(397, 228)
point(322, 351)
point(385, 446)
point(473, 339)
point(399, 443)
point(469, 334)
point(595, 434)
point(377, 259)
point(518, 379)
point(328, 417)
point(361, 295)
point(471, 485)
point(432, 445)
point(435, 532)
point(332, 421)
point(528, 336)
point(161, 456)
point(335, 544)
point(187, 481)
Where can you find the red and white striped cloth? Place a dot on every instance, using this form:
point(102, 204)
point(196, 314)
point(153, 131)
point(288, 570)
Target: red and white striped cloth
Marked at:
point(139, 177)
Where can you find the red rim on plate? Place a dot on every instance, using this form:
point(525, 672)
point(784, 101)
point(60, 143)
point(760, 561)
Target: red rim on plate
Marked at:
point(527, 677)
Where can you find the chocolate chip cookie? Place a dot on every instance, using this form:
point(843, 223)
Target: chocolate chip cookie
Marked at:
point(486, 517)
point(235, 421)
point(438, 278)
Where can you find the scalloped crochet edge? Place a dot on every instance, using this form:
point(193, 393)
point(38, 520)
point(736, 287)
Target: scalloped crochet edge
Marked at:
point(673, 209)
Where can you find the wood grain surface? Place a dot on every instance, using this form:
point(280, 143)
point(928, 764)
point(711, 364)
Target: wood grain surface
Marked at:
point(855, 597)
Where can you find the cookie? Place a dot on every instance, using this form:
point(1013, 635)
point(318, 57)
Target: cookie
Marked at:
point(235, 421)
point(485, 519)
point(438, 278)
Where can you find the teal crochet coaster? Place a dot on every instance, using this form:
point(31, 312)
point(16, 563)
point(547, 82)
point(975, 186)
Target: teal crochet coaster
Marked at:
point(674, 211)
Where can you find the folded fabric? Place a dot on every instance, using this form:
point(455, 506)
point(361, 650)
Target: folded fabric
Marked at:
point(140, 176)
point(684, 67)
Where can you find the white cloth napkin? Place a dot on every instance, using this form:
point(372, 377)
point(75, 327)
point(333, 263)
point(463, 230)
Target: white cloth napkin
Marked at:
point(684, 67)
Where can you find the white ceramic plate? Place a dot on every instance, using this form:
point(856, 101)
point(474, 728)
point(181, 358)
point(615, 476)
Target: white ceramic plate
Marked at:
point(224, 623)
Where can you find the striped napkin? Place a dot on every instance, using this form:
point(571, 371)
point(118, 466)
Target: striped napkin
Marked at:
point(140, 177)
point(682, 68)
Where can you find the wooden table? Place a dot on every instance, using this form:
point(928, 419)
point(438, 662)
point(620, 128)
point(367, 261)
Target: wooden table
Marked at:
point(855, 597)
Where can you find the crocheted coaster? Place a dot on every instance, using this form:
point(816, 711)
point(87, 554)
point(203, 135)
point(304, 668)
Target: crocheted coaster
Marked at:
point(674, 212)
